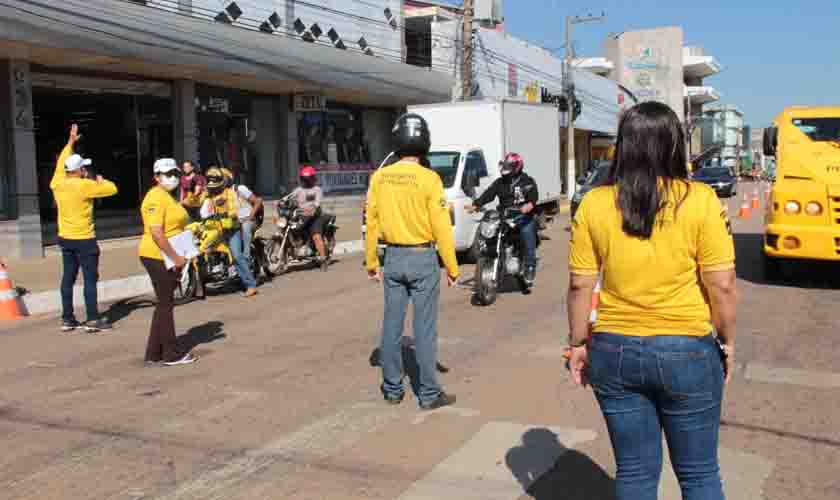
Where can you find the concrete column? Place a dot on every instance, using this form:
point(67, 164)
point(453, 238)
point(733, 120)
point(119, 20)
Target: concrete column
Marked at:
point(23, 238)
point(185, 133)
point(264, 151)
point(288, 151)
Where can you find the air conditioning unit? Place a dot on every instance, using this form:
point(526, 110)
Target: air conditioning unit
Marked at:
point(490, 11)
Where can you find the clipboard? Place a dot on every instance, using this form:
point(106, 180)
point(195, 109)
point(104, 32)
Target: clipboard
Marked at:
point(184, 245)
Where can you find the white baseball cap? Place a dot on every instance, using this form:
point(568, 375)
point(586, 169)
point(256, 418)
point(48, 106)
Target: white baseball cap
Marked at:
point(165, 165)
point(76, 162)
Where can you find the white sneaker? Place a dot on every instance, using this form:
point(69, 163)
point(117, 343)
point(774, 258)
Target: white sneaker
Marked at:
point(186, 360)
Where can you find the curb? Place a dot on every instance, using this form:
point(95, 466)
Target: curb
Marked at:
point(126, 288)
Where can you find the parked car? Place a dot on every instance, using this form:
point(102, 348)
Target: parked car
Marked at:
point(596, 177)
point(720, 179)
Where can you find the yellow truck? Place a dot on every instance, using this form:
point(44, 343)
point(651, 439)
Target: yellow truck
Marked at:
point(803, 216)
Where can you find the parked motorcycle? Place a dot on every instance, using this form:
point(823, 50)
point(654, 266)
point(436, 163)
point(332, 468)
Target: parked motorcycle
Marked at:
point(291, 244)
point(214, 267)
point(500, 254)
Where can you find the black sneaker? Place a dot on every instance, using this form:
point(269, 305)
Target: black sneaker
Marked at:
point(69, 325)
point(442, 400)
point(100, 325)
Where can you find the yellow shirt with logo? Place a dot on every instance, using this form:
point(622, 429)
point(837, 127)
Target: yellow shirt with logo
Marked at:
point(74, 198)
point(160, 208)
point(406, 205)
point(653, 287)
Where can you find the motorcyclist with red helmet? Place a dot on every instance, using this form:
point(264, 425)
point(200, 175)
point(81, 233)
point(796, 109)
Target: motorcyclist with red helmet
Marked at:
point(516, 189)
point(308, 196)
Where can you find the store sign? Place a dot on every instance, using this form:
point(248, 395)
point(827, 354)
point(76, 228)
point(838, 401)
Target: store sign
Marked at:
point(218, 105)
point(310, 102)
point(344, 177)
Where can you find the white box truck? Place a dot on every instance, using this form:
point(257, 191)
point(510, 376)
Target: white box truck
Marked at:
point(469, 139)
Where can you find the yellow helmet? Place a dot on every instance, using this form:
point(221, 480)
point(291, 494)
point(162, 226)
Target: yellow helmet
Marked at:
point(216, 179)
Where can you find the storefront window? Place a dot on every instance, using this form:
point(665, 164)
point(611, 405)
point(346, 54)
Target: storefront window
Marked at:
point(222, 120)
point(334, 142)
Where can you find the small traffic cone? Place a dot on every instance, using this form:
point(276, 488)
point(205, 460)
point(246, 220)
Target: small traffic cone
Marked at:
point(767, 192)
point(10, 309)
point(596, 299)
point(744, 212)
point(756, 200)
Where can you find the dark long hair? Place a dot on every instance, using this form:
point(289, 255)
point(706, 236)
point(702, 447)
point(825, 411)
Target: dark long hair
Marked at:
point(649, 160)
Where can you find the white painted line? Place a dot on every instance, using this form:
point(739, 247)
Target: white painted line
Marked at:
point(743, 476)
point(448, 410)
point(321, 439)
point(349, 247)
point(805, 378)
point(500, 462)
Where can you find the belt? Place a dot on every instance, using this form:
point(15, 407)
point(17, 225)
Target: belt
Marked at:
point(428, 244)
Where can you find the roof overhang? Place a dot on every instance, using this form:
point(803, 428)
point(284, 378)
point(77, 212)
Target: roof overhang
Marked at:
point(130, 39)
point(701, 95)
point(700, 66)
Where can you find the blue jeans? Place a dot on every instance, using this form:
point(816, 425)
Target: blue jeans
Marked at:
point(645, 385)
point(528, 237)
point(242, 257)
point(77, 254)
point(411, 274)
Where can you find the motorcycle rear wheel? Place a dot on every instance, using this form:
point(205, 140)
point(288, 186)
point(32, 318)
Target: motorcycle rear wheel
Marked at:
point(486, 288)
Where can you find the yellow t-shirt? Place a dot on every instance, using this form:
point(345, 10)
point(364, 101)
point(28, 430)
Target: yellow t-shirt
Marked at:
point(159, 208)
point(406, 205)
point(74, 198)
point(652, 287)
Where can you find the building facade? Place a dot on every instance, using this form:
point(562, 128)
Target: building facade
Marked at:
point(260, 86)
point(724, 127)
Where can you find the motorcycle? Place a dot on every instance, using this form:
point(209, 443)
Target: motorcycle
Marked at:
point(500, 254)
point(291, 244)
point(214, 267)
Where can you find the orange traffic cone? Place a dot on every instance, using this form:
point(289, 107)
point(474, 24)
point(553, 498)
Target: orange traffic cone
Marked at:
point(9, 307)
point(767, 192)
point(744, 212)
point(596, 299)
point(756, 200)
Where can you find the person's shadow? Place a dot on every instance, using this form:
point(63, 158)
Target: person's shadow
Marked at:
point(201, 334)
point(411, 368)
point(547, 470)
point(123, 308)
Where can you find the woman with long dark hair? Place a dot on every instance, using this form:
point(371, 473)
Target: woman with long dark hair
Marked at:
point(662, 248)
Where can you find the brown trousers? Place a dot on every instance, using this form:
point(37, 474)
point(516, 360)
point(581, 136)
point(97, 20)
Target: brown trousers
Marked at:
point(162, 345)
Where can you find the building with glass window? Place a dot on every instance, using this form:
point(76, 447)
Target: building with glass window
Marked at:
point(260, 86)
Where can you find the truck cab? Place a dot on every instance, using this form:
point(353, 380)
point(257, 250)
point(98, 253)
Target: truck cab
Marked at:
point(803, 216)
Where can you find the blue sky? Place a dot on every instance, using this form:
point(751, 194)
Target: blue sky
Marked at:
point(775, 53)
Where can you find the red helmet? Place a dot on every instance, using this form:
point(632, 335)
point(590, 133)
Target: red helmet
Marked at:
point(513, 164)
point(308, 171)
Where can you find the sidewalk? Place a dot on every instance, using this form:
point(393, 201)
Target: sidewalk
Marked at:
point(120, 273)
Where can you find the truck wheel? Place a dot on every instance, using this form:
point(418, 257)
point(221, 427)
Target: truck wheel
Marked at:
point(486, 287)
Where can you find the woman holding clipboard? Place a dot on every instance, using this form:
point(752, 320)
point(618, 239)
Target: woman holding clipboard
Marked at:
point(163, 218)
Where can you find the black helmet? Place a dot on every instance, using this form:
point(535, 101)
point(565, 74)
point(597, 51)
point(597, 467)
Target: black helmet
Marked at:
point(410, 136)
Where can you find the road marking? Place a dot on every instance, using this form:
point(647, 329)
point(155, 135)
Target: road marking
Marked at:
point(217, 411)
point(321, 439)
point(805, 378)
point(743, 476)
point(449, 410)
point(500, 462)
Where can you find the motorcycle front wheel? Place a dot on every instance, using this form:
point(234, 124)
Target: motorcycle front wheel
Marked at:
point(486, 286)
point(187, 288)
point(276, 258)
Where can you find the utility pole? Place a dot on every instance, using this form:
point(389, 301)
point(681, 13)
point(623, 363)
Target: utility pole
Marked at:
point(467, 62)
point(571, 178)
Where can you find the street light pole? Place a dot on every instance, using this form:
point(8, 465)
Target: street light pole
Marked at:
point(467, 63)
point(571, 178)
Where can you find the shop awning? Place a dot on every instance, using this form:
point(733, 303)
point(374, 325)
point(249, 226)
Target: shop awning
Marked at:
point(125, 38)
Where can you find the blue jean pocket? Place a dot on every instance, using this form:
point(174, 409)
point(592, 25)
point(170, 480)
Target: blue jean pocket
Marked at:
point(604, 368)
point(686, 375)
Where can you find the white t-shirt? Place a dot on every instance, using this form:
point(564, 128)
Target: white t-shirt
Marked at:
point(243, 194)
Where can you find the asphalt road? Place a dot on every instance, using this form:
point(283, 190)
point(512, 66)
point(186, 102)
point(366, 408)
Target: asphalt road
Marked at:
point(283, 404)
